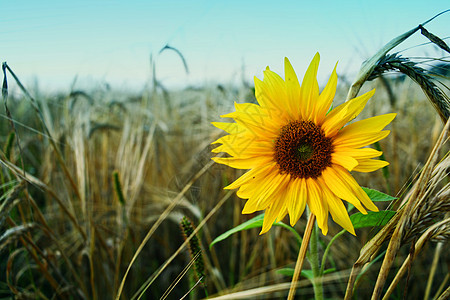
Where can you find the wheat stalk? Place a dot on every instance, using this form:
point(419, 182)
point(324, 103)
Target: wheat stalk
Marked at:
point(431, 208)
point(414, 213)
point(438, 231)
point(394, 62)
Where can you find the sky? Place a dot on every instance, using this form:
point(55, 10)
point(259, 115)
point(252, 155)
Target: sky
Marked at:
point(88, 43)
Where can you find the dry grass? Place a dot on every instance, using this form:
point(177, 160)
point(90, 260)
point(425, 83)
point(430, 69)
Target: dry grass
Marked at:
point(95, 183)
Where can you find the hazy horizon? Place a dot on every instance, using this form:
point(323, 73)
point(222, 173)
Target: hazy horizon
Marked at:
point(223, 42)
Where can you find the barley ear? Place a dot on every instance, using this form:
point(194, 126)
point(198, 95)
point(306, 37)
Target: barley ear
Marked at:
point(194, 248)
point(9, 144)
point(118, 187)
point(369, 65)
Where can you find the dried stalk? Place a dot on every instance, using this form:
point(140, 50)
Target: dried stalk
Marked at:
point(437, 97)
point(400, 229)
point(301, 255)
point(369, 65)
point(161, 218)
point(416, 212)
point(438, 230)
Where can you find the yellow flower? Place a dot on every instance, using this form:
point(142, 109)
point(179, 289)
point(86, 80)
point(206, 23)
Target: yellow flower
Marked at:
point(297, 152)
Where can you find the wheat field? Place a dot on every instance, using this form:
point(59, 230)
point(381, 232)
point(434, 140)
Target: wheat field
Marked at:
point(95, 184)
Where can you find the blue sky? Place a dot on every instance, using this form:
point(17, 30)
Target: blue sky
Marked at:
point(222, 41)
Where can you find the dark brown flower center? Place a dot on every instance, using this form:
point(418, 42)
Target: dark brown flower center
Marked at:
point(302, 150)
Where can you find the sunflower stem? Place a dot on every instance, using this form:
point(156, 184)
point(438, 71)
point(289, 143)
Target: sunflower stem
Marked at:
point(301, 255)
point(314, 261)
point(327, 250)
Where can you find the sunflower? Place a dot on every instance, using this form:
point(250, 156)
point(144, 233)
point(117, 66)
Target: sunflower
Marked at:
point(298, 152)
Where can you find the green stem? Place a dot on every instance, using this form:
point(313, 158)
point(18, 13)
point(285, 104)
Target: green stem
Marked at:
point(291, 229)
point(325, 254)
point(314, 255)
point(206, 291)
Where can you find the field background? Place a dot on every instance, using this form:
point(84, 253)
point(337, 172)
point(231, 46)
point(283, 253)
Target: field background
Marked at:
point(105, 146)
point(72, 235)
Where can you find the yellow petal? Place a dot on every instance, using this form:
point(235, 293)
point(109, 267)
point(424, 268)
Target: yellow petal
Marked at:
point(340, 188)
point(324, 225)
point(260, 193)
point(253, 188)
point(331, 124)
point(359, 192)
point(361, 140)
point(337, 209)
point(261, 96)
point(284, 211)
point(228, 127)
point(249, 110)
point(326, 98)
point(275, 87)
point(253, 118)
point(356, 105)
point(344, 113)
point(282, 196)
point(246, 150)
point(368, 125)
point(256, 175)
point(268, 99)
point(317, 205)
point(370, 165)
point(238, 140)
point(310, 88)
point(274, 185)
point(271, 214)
point(346, 161)
point(245, 163)
point(361, 153)
point(292, 89)
point(296, 199)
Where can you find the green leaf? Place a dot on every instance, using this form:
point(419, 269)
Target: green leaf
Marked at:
point(327, 271)
point(290, 272)
point(286, 271)
point(375, 195)
point(252, 223)
point(305, 273)
point(373, 218)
